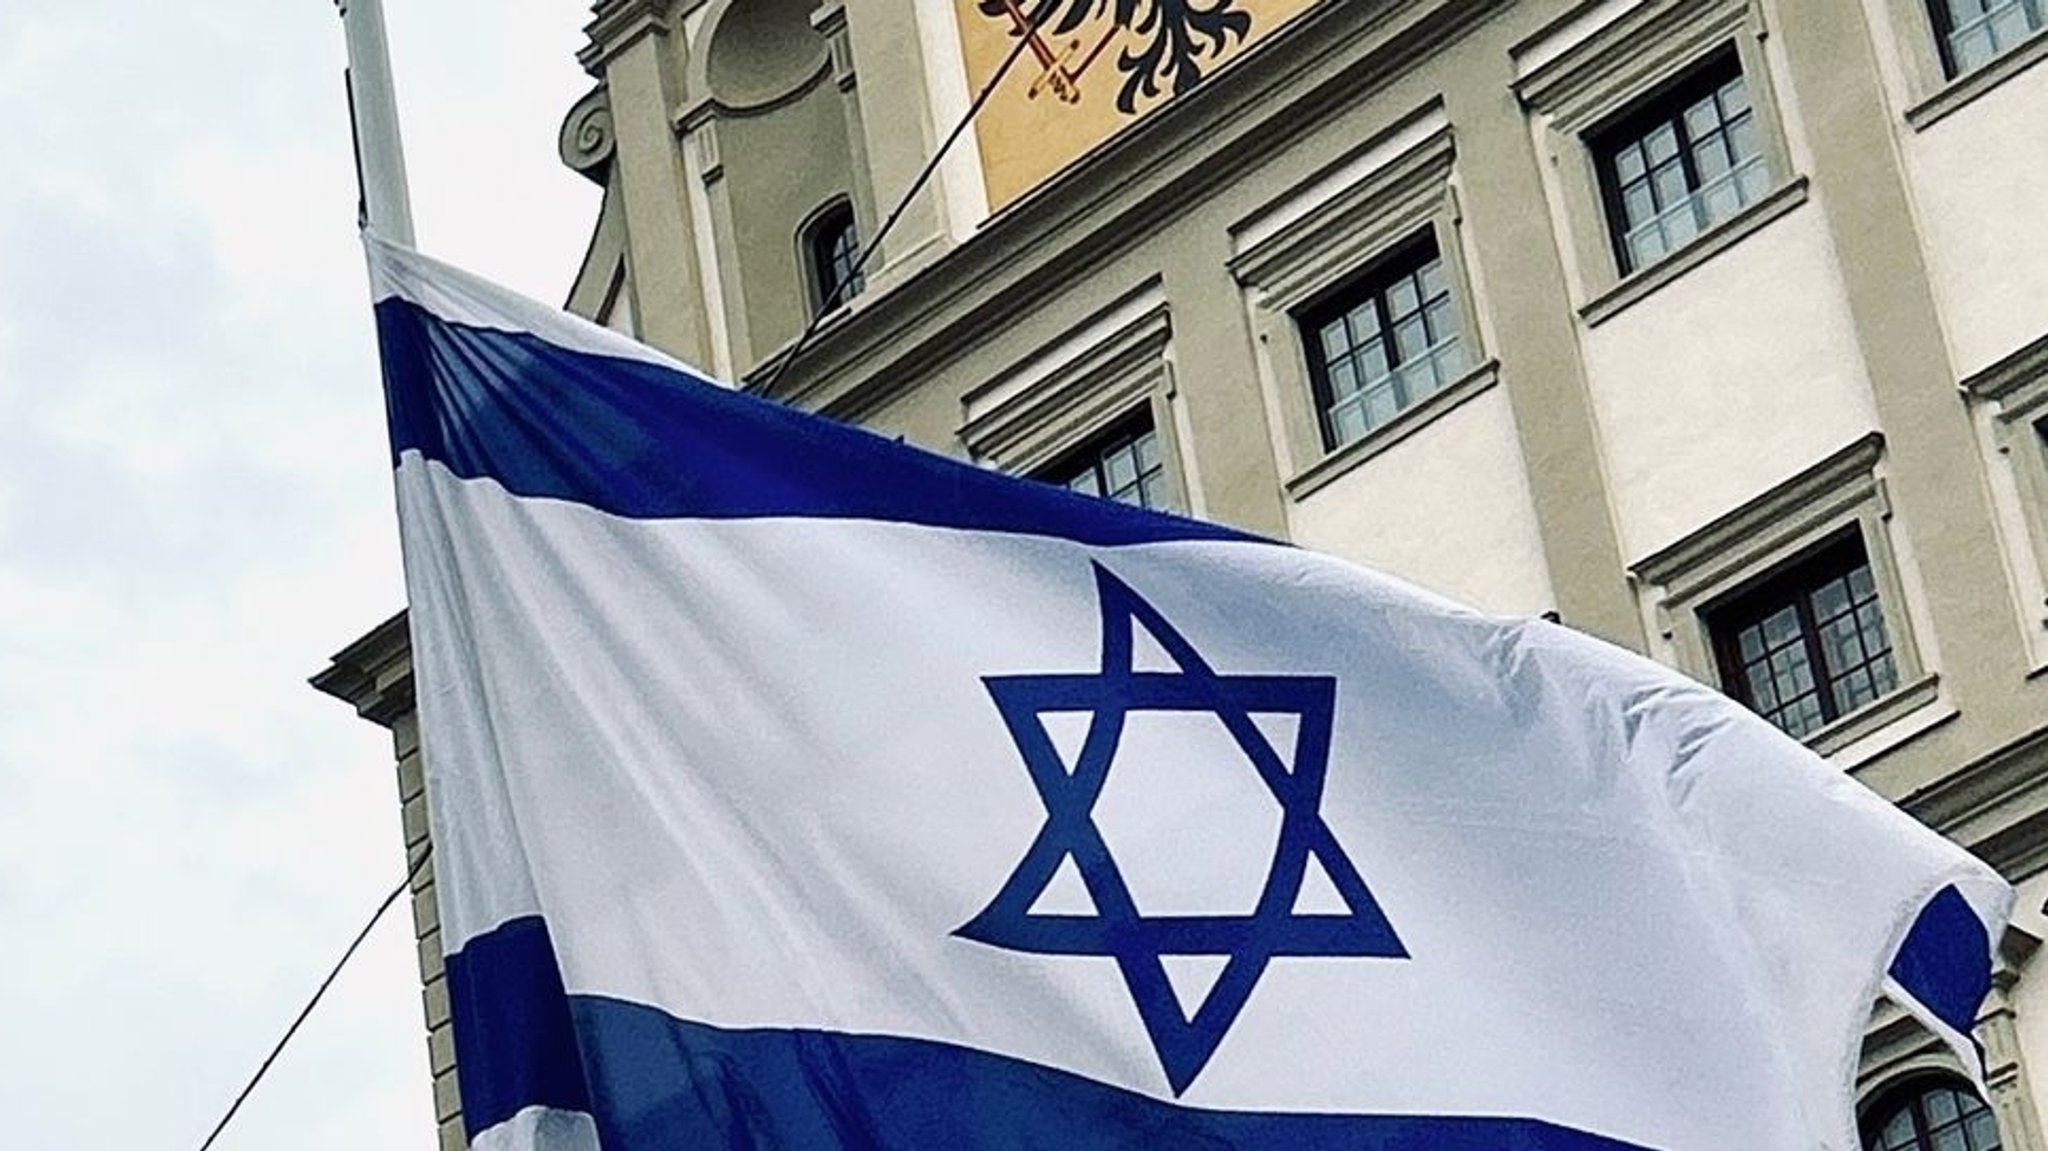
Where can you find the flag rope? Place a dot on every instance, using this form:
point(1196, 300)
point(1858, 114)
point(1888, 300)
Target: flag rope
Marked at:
point(1025, 36)
point(346, 955)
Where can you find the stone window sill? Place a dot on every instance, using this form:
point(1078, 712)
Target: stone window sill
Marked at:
point(1883, 724)
point(1711, 243)
point(1401, 427)
point(1964, 89)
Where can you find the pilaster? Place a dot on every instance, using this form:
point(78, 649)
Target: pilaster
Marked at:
point(1934, 469)
point(374, 675)
point(1500, 194)
point(898, 131)
point(628, 50)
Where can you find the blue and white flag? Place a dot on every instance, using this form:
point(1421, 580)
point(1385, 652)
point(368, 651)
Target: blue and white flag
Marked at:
point(791, 788)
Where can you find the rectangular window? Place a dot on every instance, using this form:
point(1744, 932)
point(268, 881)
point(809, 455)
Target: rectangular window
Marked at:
point(1384, 342)
point(1972, 33)
point(1809, 645)
point(1679, 162)
point(1124, 463)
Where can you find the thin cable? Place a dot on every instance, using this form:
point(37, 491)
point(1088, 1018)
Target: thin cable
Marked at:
point(782, 365)
point(1024, 39)
point(315, 1001)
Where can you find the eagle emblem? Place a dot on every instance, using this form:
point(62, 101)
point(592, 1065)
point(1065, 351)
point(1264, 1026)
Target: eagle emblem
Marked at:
point(1166, 45)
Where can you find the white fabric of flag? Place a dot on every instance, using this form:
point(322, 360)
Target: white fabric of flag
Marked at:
point(795, 788)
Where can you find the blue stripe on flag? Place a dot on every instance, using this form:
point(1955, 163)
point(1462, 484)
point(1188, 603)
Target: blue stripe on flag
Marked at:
point(1945, 962)
point(515, 1044)
point(648, 442)
point(658, 1083)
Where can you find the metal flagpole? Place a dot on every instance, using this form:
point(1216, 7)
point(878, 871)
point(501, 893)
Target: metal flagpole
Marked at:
point(373, 114)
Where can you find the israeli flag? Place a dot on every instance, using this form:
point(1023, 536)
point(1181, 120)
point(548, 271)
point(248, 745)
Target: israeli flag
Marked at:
point(796, 789)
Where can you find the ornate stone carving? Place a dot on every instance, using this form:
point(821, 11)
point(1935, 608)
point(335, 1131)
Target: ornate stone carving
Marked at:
point(587, 141)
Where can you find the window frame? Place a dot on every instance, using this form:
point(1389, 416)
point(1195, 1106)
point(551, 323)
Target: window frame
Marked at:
point(832, 220)
point(1375, 283)
point(1665, 104)
point(1908, 1095)
point(1933, 90)
point(1577, 92)
point(1090, 454)
point(1942, 24)
point(2009, 403)
point(1684, 584)
point(1398, 188)
point(1792, 583)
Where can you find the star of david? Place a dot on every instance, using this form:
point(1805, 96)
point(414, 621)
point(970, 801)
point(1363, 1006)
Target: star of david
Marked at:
point(1140, 943)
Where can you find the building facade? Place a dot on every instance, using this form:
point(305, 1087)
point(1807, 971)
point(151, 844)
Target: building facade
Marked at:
point(1715, 328)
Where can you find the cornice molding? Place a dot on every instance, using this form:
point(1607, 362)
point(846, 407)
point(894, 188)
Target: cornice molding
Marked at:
point(1999, 381)
point(1818, 493)
point(374, 674)
point(1996, 805)
point(1005, 418)
point(617, 25)
point(1331, 57)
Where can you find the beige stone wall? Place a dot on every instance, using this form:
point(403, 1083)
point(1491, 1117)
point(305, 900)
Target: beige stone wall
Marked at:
point(1859, 350)
point(426, 930)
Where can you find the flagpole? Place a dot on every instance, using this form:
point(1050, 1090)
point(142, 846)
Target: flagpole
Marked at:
point(373, 113)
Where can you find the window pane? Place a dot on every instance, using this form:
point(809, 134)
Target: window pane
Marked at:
point(1711, 158)
point(1413, 338)
point(1373, 362)
point(1629, 163)
point(1831, 599)
point(1751, 644)
point(1347, 423)
point(1973, 48)
point(1343, 379)
point(1742, 138)
point(1702, 119)
point(1681, 227)
point(1802, 717)
point(1669, 183)
point(1762, 691)
point(1638, 204)
point(1662, 144)
point(2010, 25)
point(1402, 299)
point(1155, 493)
point(1381, 403)
point(1720, 201)
point(1450, 358)
point(1442, 320)
point(1432, 277)
point(1335, 344)
point(1122, 468)
point(1983, 1129)
point(1734, 98)
point(1647, 248)
point(1364, 322)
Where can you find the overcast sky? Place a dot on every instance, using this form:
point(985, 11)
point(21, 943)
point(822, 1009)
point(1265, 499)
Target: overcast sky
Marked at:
point(195, 512)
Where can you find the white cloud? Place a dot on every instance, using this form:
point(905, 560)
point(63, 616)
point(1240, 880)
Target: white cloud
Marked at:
point(194, 511)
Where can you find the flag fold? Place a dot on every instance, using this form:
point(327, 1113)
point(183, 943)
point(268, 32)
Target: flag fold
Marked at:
point(795, 788)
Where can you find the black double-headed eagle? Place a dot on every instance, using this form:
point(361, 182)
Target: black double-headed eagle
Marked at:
point(1175, 38)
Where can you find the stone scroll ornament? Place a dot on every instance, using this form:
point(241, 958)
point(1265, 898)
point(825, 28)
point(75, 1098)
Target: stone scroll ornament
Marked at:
point(1175, 40)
